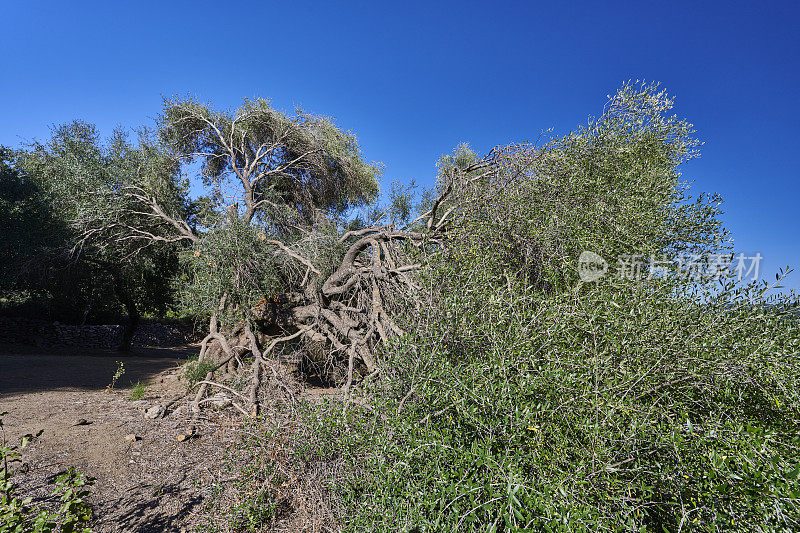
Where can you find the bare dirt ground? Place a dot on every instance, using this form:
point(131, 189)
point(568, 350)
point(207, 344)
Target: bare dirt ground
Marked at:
point(154, 483)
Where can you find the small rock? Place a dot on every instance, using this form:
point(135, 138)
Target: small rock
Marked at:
point(130, 437)
point(220, 400)
point(183, 437)
point(81, 422)
point(154, 412)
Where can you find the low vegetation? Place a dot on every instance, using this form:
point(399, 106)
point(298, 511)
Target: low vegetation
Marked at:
point(138, 391)
point(66, 510)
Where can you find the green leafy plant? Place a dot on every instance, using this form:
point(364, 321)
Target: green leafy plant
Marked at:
point(17, 515)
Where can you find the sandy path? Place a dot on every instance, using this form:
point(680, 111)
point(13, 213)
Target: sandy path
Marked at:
point(152, 484)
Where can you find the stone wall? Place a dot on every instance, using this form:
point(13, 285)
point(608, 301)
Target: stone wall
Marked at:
point(43, 333)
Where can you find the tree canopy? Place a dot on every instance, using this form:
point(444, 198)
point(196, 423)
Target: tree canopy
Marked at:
point(80, 180)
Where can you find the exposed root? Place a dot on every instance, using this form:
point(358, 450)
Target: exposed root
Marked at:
point(339, 321)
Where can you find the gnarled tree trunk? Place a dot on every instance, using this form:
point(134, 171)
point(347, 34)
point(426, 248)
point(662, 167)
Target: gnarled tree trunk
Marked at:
point(133, 313)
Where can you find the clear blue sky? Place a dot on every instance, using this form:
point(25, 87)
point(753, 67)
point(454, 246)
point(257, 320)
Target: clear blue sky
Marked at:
point(414, 79)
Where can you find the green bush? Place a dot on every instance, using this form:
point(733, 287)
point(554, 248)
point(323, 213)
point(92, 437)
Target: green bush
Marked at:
point(619, 407)
point(196, 371)
point(525, 400)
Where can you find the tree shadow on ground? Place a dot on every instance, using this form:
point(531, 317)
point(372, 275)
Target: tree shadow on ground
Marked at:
point(151, 508)
point(26, 369)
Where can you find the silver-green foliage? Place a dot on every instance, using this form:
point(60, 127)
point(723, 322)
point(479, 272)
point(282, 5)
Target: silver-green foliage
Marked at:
point(613, 187)
point(90, 187)
point(274, 182)
point(531, 401)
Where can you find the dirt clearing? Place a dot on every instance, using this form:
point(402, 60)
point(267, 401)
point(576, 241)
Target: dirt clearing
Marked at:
point(153, 483)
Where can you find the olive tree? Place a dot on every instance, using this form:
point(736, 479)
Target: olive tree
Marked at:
point(272, 252)
point(278, 260)
point(524, 399)
point(87, 186)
